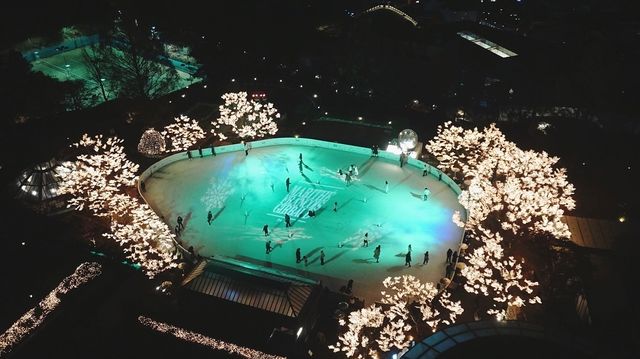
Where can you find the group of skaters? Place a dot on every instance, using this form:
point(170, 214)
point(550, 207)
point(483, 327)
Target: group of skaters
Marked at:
point(348, 175)
point(201, 152)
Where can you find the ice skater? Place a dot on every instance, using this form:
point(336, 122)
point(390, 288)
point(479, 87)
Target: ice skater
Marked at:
point(348, 178)
point(376, 254)
point(355, 170)
point(180, 223)
point(265, 229)
point(200, 151)
point(268, 247)
point(366, 240)
point(288, 183)
point(246, 148)
point(300, 157)
point(306, 260)
point(298, 255)
point(213, 150)
point(449, 254)
point(335, 206)
point(209, 217)
point(426, 258)
point(407, 259)
point(425, 171)
point(189, 154)
point(321, 257)
point(287, 220)
point(425, 194)
point(300, 167)
point(386, 186)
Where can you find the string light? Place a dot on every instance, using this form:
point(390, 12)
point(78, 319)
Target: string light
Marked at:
point(247, 118)
point(201, 339)
point(36, 315)
point(151, 143)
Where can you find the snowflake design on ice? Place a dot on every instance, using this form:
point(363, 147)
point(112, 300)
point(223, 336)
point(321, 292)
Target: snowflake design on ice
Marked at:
point(217, 193)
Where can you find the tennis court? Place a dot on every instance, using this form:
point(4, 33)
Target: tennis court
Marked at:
point(69, 66)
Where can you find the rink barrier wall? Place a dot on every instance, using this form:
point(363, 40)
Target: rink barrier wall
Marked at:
point(279, 141)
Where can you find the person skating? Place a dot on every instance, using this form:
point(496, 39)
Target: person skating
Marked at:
point(189, 154)
point(265, 229)
point(298, 255)
point(180, 223)
point(449, 254)
point(209, 217)
point(200, 151)
point(376, 253)
point(425, 171)
point(306, 260)
point(426, 258)
point(425, 194)
point(213, 150)
point(321, 257)
point(287, 220)
point(268, 247)
point(288, 183)
point(335, 206)
point(366, 240)
point(407, 259)
point(386, 186)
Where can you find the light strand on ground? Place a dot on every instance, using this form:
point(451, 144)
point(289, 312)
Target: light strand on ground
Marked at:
point(36, 316)
point(204, 340)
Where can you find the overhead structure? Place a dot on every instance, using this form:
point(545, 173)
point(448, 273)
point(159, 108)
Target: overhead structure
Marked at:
point(394, 10)
point(41, 181)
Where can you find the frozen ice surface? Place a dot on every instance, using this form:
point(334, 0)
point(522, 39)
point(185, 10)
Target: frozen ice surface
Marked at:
point(246, 192)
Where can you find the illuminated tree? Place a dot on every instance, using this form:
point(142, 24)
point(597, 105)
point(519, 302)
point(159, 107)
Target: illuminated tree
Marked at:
point(520, 190)
point(247, 118)
point(98, 181)
point(94, 177)
point(151, 143)
point(183, 133)
point(377, 329)
point(490, 273)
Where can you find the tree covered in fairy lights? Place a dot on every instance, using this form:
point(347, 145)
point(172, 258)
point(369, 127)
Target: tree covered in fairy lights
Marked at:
point(408, 308)
point(97, 180)
point(487, 271)
point(183, 133)
point(520, 191)
point(152, 143)
point(247, 118)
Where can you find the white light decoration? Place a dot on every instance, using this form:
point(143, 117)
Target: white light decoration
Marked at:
point(521, 189)
point(247, 118)
point(36, 316)
point(407, 139)
point(490, 273)
point(97, 181)
point(151, 143)
point(183, 133)
point(374, 330)
point(204, 340)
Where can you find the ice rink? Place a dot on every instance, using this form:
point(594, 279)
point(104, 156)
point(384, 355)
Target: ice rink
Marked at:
point(246, 192)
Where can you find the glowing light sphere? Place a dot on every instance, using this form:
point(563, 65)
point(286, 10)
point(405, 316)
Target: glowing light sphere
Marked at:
point(407, 139)
point(152, 143)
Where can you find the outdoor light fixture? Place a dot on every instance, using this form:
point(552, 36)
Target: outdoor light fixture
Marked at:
point(299, 332)
point(407, 140)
